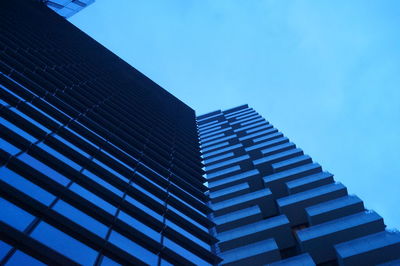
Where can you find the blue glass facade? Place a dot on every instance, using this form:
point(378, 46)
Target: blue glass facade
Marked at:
point(273, 205)
point(98, 164)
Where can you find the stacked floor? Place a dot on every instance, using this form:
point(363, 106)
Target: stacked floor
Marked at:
point(272, 204)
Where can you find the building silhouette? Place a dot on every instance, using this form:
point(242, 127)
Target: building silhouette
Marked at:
point(101, 166)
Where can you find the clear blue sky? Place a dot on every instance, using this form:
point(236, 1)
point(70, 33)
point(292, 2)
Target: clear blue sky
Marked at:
point(326, 73)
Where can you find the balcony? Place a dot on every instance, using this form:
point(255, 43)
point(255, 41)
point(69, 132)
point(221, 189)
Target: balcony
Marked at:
point(263, 198)
point(254, 254)
point(319, 240)
point(277, 227)
point(334, 209)
point(294, 205)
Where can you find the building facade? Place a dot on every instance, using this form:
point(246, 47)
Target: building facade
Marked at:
point(67, 8)
point(101, 166)
point(273, 205)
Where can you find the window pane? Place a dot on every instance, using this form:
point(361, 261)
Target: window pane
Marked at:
point(137, 174)
point(20, 258)
point(43, 168)
point(30, 119)
point(59, 156)
point(82, 137)
point(8, 147)
point(147, 193)
point(133, 248)
point(96, 200)
point(184, 252)
point(81, 218)
point(165, 263)
point(69, 144)
point(43, 113)
point(106, 261)
point(188, 218)
point(14, 216)
point(64, 244)
point(143, 207)
point(4, 249)
point(139, 226)
point(26, 186)
point(3, 103)
point(187, 234)
point(116, 159)
point(17, 130)
point(111, 170)
point(102, 182)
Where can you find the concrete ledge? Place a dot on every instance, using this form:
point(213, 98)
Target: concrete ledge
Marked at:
point(276, 227)
point(238, 218)
point(334, 209)
point(263, 198)
point(369, 250)
point(255, 254)
point(294, 205)
point(309, 182)
point(229, 192)
point(319, 240)
point(300, 260)
point(276, 182)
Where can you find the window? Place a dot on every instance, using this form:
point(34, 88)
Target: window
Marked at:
point(149, 180)
point(8, 147)
point(14, 216)
point(144, 191)
point(20, 258)
point(118, 160)
point(69, 144)
point(3, 103)
point(187, 234)
point(82, 137)
point(64, 244)
point(43, 168)
point(4, 249)
point(133, 248)
point(43, 113)
point(184, 252)
point(165, 263)
point(106, 261)
point(143, 208)
point(96, 200)
point(200, 226)
point(188, 205)
point(106, 167)
point(30, 120)
point(59, 156)
point(139, 226)
point(26, 186)
point(81, 218)
point(102, 182)
point(17, 130)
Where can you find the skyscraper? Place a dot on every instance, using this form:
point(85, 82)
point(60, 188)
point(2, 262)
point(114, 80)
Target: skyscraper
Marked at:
point(101, 166)
point(272, 203)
